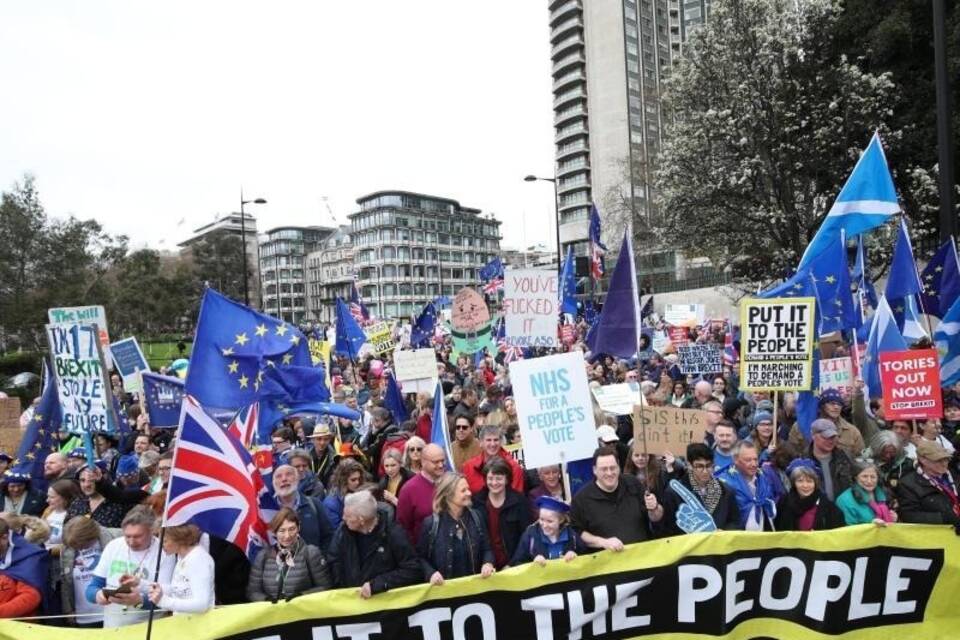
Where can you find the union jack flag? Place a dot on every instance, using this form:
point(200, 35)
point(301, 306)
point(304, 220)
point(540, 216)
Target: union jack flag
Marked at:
point(510, 352)
point(730, 355)
point(214, 483)
point(358, 310)
point(597, 248)
point(491, 288)
point(243, 427)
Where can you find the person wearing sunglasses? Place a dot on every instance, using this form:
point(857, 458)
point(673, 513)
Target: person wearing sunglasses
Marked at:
point(465, 444)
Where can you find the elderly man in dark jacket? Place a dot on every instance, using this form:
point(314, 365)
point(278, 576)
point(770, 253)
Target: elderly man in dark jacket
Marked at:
point(929, 494)
point(369, 550)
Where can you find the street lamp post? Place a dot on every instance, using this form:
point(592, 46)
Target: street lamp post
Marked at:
point(948, 219)
point(243, 237)
point(556, 210)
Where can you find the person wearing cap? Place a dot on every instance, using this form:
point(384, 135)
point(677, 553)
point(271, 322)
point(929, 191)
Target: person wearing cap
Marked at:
point(714, 496)
point(322, 454)
point(18, 497)
point(929, 495)
point(834, 463)
point(805, 507)
point(932, 429)
point(865, 501)
point(550, 536)
point(75, 461)
point(752, 490)
point(831, 407)
point(491, 447)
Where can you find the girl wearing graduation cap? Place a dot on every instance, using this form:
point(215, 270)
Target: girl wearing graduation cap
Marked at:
point(550, 537)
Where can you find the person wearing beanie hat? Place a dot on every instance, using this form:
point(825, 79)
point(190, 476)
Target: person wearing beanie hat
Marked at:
point(761, 435)
point(865, 501)
point(831, 406)
point(550, 537)
point(805, 507)
point(18, 497)
point(930, 495)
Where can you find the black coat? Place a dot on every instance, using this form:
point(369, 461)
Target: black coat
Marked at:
point(726, 516)
point(828, 516)
point(435, 545)
point(388, 563)
point(515, 517)
point(921, 502)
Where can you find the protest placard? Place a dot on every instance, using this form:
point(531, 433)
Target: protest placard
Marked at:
point(380, 337)
point(94, 314)
point(911, 384)
point(684, 315)
point(554, 409)
point(661, 343)
point(469, 311)
point(668, 428)
point(80, 372)
point(618, 399)
point(776, 344)
point(129, 361)
point(530, 307)
point(516, 452)
point(837, 373)
point(678, 335)
point(417, 364)
point(10, 413)
point(699, 358)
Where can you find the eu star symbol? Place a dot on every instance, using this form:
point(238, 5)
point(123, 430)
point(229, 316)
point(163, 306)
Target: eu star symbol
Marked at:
point(898, 308)
point(939, 268)
point(261, 330)
point(798, 286)
point(31, 456)
point(243, 380)
point(233, 366)
point(929, 276)
point(228, 351)
point(830, 279)
point(287, 358)
point(37, 417)
point(294, 339)
point(282, 329)
point(242, 339)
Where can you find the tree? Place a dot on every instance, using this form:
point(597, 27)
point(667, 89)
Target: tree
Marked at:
point(218, 261)
point(768, 120)
point(47, 263)
point(151, 298)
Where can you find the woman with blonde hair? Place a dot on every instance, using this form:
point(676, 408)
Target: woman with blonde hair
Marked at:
point(191, 589)
point(453, 541)
point(412, 452)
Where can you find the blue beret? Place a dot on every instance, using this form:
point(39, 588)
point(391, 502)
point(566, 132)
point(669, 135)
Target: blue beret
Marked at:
point(128, 465)
point(551, 503)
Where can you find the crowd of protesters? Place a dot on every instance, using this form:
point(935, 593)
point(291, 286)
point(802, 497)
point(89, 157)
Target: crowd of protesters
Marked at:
point(373, 505)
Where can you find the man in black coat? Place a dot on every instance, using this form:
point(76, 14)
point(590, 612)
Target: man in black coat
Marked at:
point(369, 550)
point(713, 495)
point(929, 495)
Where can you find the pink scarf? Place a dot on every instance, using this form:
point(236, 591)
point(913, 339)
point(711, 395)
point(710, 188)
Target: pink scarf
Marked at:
point(881, 510)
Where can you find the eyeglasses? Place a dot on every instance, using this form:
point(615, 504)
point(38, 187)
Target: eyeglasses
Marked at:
point(702, 467)
point(416, 448)
point(463, 427)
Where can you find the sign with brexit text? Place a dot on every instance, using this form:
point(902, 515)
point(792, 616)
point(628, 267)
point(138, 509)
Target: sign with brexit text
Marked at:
point(530, 307)
point(700, 358)
point(776, 344)
point(911, 384)
point(554, 409)
point(837, 373)
point(80, 372)
point(93, 314)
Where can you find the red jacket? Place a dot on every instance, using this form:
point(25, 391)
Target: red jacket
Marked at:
point(424, 426)
point(473, 471)
point(17, 599)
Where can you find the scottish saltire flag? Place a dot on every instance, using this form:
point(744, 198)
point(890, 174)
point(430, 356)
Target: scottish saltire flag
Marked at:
point(884, 336)
point(866, 201)
point(162, 397)
point(597, 248)
point(234, 345)
point(947, 339)
point(617, 332)
point(393, 400)
point(866, 292)
point(350, 337)
point(214, 483)
point(243, 427)
point(568, 285)
point(358, 310)
point(40, 438)
point(941, 281)
point(422, 332)
point(439, 432)
point(492, 270)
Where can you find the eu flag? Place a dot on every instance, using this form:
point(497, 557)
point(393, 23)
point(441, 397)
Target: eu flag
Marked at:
point(350, 337)
point(393, 400)
point(40, 438)
point(493, 269)
point(568, 285)
point(233, 348)
point(941, 281)
point(424, 326)
point(903, 280)
point(162, 397)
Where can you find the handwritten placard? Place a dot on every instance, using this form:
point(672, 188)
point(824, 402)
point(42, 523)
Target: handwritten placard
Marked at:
point(93, 314)
point(837, 373)
point(667, 428)
point(530, 307)
point(80, 371)
point(700, 358)
point(416, 364)
point(469, 311)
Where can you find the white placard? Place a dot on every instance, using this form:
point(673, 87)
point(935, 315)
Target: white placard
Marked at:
point(684, 315)
point(93, 314)
point(618, 399)
point(530, 307)
point(415, 364)
point(80, 372)
point(554, 409)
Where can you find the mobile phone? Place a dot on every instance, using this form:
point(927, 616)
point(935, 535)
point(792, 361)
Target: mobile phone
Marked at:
point(109, 593)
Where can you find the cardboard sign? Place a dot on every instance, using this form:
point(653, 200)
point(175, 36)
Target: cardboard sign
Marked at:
point(684, 315)
point(129, 361)
point(837, 373)
point(81, 374)
point(530, 307)
point(700, 358)
point(911, 384)
point(618, 399)
point(417, 364)
point(554, 409)
point(668, 428)
point(380, 337)
point(94, 314)
point(10, 413)
point(469, 312)
point(776, 344)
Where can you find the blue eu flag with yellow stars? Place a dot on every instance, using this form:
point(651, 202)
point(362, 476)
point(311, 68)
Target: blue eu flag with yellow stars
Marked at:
point(233, 348)
point(40, 438)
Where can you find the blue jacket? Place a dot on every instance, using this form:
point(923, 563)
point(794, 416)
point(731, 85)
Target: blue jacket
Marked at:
point(856, 511)
point(315, 525)
point(533, 543)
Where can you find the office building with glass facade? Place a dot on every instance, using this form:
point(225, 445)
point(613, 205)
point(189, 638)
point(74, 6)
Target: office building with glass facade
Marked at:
point(283, 252)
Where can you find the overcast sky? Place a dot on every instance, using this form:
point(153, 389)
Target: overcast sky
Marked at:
point(150, 117)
